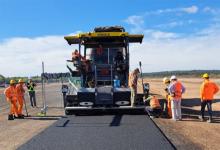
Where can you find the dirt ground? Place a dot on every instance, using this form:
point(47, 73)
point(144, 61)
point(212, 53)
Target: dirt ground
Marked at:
point(15, 133)
point(190, 133)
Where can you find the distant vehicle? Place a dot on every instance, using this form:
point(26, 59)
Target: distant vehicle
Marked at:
point(103, 61)
point(2, 81)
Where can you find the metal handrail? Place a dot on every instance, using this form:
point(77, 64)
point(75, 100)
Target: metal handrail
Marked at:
point(111, 76)
point(95, 76)
point(103, 65)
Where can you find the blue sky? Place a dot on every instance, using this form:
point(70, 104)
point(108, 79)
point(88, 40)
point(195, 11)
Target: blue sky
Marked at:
point(34, 29)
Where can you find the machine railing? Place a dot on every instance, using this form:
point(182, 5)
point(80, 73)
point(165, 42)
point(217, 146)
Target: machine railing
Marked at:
point(103, 73)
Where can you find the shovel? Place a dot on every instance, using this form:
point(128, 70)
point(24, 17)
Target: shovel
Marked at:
point(25, 108)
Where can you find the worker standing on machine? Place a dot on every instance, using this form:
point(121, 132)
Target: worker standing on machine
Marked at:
point(20, 93)
point(31, 89)
point(11, 96)
point(119, 66)
point(133, 78)
point(75, 55)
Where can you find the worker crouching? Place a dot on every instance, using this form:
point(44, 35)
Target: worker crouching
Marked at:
point(155, 109)
point(20, 95)
point(11, 96)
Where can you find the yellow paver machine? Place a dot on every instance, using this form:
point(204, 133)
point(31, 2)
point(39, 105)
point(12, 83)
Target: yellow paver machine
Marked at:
point(99, 71)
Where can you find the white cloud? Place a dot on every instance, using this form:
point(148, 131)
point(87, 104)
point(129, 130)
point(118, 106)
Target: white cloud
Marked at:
point(23, 56)
point(172, 24)
point(162, 50)
point(156, 34)
point(190, 10)
point(135, 20)
point(193, 52)
point(214, 11)
point(138, 21)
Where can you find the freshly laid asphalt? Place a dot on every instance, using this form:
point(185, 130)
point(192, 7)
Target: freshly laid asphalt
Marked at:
point(110, 132)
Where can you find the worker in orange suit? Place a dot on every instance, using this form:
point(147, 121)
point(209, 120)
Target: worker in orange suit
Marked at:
point(207, 91)
point(77, 56)
point(11, 96)
point(167, 105)
point(20, 95)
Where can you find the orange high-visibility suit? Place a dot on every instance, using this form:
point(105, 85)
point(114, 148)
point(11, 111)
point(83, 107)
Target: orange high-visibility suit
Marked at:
point(20, 95)
point(11, 96)
point(76, 55)
point(154, 103)
point(169, 111)
point(207, 90)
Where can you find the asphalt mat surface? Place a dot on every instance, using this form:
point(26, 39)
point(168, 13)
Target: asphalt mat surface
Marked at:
point(111, 132)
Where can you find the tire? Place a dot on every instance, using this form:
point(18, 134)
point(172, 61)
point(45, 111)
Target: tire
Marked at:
point(67, 112)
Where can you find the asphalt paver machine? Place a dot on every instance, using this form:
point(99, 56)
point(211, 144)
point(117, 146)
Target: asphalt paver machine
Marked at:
point(100, 72)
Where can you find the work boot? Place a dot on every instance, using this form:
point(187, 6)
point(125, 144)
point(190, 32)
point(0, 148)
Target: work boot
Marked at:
point(21, 116)
point(210, 120)
point(152, 117)
point(10, 117)
point(201, 118)
point(15, 117)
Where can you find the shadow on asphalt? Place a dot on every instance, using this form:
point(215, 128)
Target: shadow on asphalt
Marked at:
point(189, 112)
point(116, 120)
point(194, 102)
point(194, 114)
point(43, 117)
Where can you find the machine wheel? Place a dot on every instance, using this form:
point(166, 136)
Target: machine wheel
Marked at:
point(67, 112)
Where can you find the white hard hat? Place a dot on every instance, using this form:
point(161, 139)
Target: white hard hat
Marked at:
point(173, 77)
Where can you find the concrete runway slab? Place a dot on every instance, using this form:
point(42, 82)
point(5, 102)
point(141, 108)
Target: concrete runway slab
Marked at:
point(111, 132)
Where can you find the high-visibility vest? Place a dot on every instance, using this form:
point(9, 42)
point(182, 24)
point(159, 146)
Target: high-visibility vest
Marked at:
point(208, 90)
point(30, 87)
point(177, 90)
point(154, 102)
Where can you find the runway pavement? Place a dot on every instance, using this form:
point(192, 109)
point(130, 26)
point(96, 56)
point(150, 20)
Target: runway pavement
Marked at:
point(109, 132)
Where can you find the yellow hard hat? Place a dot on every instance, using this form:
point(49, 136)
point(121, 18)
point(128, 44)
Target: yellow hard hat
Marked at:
point(205, 75)
point(20, 81)
point(12, 82)
point(165, 80)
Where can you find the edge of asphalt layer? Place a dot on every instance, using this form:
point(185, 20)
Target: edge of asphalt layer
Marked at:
point(63, 122)
point(174, 147)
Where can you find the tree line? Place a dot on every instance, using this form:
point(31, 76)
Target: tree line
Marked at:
point(190, 73)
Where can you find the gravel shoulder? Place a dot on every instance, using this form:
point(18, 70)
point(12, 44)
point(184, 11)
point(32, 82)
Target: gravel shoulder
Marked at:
point(187, 134)
point(190, 133)
point(17, 132)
